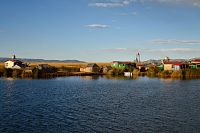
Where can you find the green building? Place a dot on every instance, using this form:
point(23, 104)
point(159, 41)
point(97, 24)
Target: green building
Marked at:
point(195, 66)
point(195, 63)
point(123, 65)
point(161, 67)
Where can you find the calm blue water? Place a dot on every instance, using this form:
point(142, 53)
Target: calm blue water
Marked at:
point(86, 104)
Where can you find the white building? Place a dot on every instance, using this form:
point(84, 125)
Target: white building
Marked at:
point(14, 64)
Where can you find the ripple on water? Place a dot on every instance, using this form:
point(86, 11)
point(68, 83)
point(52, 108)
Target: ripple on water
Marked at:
point(76, 104)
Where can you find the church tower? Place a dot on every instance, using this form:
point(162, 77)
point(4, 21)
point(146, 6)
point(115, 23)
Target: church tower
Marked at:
point(138, 57)
point(13, 57)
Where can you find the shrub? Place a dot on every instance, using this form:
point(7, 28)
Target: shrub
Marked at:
point(165, 74)
point(16, 73)
point(118, 71)
point(35, 73)
point(153, 71)
point(136, 72)
point(68, 69)
point(177, 74)
point(7, 72)
point(192, 73)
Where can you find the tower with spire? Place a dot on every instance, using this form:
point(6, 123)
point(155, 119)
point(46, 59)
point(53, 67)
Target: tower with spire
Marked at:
point(13, 57)
point(138, 57)
point(14, 63)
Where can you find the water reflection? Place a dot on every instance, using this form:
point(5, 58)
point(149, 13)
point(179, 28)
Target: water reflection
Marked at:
point(120, 77)
point(8, 93)
point(10, 79)
point(111, 77)
point(167, 80)
point(95, 77)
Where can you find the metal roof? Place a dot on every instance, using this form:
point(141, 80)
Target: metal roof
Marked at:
point(175, 62)
point(195, 60)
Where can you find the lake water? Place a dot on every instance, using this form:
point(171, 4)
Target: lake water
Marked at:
point(98, 104)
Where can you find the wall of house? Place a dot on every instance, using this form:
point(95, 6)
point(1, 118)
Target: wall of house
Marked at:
point(105, 69)
point(168, 67)
point(16, 67)
point(9, 64)
point(161, 67)
point(195, 66)
point(122, 66)
point(177, 67)
point(95, 69)
point(115, 65)
point(82, 69)
point(88, 69)
point(91, 69)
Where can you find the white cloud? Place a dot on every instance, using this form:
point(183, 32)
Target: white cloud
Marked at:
point(134, 13)
point(107, 5)
point(175, 50)
point(147, 50)
point(123, 14)
point(122, 3)
point(111, 3)
point(196, 3)
point(118, 49)
point(127, 14)
point(175, 41)
point(188, 2)
point(115, 50)
point(97, 26)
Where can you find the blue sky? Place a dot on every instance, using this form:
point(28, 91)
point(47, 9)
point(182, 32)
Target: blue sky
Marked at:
point(100, 30)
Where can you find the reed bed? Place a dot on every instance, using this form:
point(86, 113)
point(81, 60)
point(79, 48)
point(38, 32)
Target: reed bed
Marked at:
point(70, 64)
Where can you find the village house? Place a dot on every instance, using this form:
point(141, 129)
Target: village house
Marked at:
point(106, 69)
point(195, 63)
point(14, 64)
point(44, 68)
point(29, 69)
point(141, 67)
point(174, 64)
point(82, 69)
point(90, 68)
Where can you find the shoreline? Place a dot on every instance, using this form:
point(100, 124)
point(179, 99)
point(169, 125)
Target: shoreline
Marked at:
point(77, 74)
point(74, 70)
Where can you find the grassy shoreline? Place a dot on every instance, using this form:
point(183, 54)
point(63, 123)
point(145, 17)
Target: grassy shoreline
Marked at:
point(60, 69)
point(73, 69)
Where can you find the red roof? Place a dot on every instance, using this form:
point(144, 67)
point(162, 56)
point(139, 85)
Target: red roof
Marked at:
point(196, 60)
point(175, 62)
point(140, 65)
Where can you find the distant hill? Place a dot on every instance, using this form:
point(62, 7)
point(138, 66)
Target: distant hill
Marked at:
point(40, 60)
point(158, 62)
